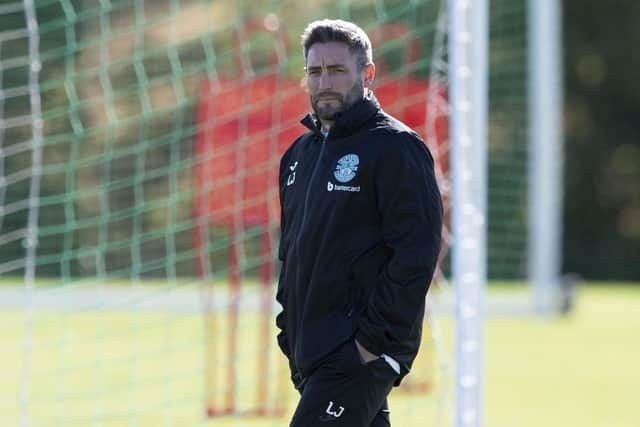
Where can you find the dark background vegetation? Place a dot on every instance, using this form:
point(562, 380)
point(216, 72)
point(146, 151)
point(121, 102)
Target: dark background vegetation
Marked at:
point(602, 108)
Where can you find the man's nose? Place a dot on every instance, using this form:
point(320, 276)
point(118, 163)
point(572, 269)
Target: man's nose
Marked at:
point(325, 80)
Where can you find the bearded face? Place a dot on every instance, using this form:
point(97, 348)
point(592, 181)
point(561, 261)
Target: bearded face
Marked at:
point(334, 80)
point(327, 105)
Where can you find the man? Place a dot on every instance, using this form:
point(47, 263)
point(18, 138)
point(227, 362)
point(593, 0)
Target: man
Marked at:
point(361, 223)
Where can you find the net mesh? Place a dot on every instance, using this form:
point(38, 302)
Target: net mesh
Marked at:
point(508, 136)
point(163, 125)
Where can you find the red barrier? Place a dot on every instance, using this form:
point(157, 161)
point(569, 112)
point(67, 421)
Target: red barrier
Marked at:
point(244, 127)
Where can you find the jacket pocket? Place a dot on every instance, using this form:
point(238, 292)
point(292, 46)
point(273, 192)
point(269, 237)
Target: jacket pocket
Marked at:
point(319, 337)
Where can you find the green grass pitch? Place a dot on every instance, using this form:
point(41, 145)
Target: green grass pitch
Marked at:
point(146, 369)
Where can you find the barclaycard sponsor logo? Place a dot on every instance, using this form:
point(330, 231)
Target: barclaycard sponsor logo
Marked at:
point(335, 187)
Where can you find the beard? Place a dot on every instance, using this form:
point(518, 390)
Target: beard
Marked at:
point(344, 102)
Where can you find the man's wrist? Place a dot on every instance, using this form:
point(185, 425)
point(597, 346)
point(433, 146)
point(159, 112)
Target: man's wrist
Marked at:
point(365, 354)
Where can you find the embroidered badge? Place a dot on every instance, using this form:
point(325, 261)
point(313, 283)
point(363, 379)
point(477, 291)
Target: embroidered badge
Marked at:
point(347, 167)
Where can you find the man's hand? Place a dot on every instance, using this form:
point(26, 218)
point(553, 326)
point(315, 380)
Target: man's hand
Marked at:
point(365, 354)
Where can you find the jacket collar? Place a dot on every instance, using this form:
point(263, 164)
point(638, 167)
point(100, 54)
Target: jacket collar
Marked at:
point(349, 121)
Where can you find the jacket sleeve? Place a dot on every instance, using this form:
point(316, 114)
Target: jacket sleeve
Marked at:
point(280, 293)
point(410, 206)
point(283, 343)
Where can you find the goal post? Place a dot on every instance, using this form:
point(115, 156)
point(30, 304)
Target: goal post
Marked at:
point(468, 80)
point(546, 152)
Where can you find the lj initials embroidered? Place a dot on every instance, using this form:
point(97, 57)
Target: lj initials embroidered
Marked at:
point(334, 413)
point(292, 176)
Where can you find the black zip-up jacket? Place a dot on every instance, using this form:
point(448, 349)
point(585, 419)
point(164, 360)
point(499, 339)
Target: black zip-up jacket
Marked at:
point(361, 227)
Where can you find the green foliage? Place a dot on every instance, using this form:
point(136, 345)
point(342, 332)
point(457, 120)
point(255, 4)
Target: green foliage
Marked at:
point(602, 180)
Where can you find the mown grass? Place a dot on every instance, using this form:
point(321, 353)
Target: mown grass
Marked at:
point(99, 368)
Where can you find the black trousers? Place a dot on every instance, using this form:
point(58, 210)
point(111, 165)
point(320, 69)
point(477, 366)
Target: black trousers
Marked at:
point(344, 391)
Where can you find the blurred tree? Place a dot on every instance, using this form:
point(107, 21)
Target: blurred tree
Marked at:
point(602, 182)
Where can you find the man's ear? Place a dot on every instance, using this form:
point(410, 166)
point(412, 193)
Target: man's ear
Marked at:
point(369, 74)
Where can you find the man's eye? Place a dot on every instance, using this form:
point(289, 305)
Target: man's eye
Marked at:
point(313, 72)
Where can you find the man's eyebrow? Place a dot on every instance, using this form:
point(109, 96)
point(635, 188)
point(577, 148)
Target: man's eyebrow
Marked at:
point(317, 67)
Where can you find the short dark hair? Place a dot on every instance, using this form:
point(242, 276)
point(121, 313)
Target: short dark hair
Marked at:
point(337, 30)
